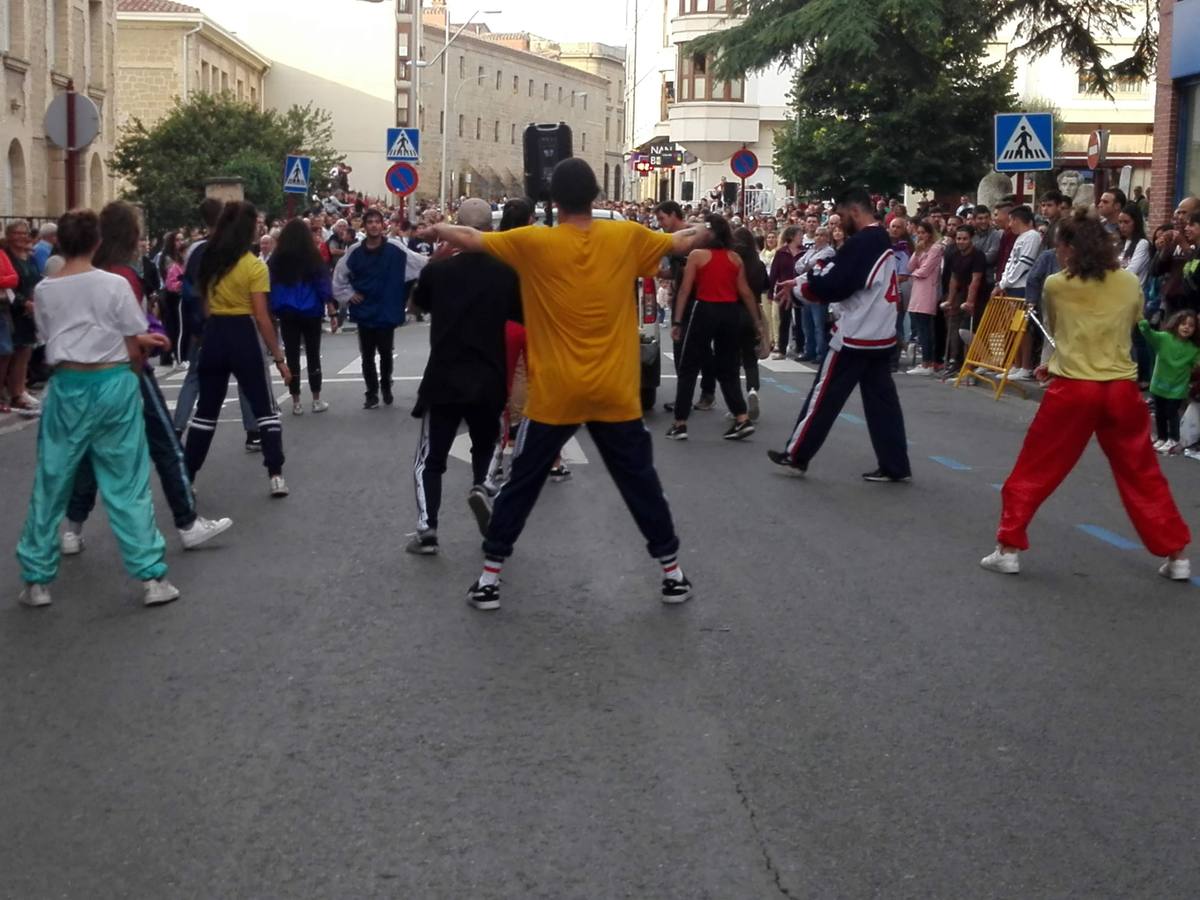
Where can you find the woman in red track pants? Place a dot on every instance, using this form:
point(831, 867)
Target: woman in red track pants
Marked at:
point(1091, 307)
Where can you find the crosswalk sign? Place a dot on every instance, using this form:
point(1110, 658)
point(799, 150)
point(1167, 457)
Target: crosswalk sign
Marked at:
point(295, 174)
point(1024, 142)
point(404, 144)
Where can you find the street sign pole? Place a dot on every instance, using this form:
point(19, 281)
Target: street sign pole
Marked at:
point(742, 204)
point(71, 154)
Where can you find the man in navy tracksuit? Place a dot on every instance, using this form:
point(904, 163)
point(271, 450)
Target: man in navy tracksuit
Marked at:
point(373, 277)
point(862, 281)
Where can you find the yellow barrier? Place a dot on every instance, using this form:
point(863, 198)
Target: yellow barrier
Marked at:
point(996, 343)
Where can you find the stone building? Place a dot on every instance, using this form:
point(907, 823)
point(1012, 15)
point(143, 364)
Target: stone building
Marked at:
point(168, 51)
point(497, 86)
point(44, 44)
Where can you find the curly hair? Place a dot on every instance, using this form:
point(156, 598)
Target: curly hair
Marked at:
point(1093, 253)
point(120, 232)
point(1172, 325)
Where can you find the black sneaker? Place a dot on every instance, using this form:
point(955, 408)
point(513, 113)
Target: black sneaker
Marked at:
point(388, 399)
point(668, 407)
point(676, 592)
point(423, 544)
point(484, 596)
point(560, 473)
point(677, 433)
point(738, 430)
point(253, 442)
point(481, 505)
point(785, 464)
point(372, 402)
point(881, 477)
point(706, 402)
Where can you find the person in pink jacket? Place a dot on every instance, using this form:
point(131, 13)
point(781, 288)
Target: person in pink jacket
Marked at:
point(925, 272)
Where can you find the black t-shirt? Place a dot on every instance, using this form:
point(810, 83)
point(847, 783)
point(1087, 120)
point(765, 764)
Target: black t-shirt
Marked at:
point(471, 296)
point(963, 266)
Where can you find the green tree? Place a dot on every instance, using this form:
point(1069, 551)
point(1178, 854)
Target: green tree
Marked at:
point(211, 136)
point(919, 112)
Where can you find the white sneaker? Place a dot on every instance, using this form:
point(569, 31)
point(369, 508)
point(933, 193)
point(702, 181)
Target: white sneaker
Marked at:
point(753, 405)
point(319, 406)
point(35, 595)
point(1165, 447)
point(71, 542)
point(279, 487)
point(297, 408)
point(1004, 563)
point(29, 401)
point(919, 370)
point(202, 530)
point(159, 591)
point(1158, 445)
point(1176, 569)
point(1020, 375)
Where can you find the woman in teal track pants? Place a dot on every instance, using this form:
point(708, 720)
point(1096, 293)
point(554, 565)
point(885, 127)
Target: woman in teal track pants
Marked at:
point(95, 334)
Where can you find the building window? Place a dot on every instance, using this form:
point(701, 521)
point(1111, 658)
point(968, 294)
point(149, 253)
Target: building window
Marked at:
point(530, 87)
point(585, 100)
point(241, 89)
point(496, 133)
point(545, 91)
point(572, 99)
point(1189, 144)
point(442, 122)
point(253, 96)
point(462, 67)
point(224, 82)
point(691, 7)
point(460, 125)
point(583, 143)
point(695, 85)
point(560, 94)
point(607, 129)
point(205, 77)
point(478, 128)
point(512, 137)
point(95, 41)
point(5, 28)
point(479, 77)
point(516, 84)
point(1087, 85)
point(499, 78)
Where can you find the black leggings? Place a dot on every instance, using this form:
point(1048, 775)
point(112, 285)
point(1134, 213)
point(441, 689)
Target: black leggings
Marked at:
point(1166, 418)
point(295, 328)
point(168, 305)
point(718, 325)
point(749, 348)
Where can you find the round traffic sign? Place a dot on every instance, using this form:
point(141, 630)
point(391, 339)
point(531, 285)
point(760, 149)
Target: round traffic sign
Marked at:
point(402, 179)
point(1095, 155)
point(744, 163)
point(87, 121)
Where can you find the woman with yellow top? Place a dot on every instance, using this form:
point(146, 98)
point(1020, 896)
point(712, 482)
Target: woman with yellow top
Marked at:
point(233, 284)
point(1091, 308)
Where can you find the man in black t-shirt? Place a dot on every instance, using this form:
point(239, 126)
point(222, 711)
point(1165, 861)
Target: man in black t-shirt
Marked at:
point(472, 295)
point(968, 266)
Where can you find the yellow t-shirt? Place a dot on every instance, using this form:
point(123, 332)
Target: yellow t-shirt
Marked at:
point(578, 293)
point(1092, 323)
point(231, 295)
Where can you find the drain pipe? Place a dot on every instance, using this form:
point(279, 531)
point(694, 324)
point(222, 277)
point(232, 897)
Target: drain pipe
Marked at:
point(186, 71)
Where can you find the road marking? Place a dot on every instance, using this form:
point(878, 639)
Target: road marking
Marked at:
point(355, 367)
point(1109, 537)
point(779, 385)
point(852, 419)
point(786, 365)
point(951, 463)
point(572, 452)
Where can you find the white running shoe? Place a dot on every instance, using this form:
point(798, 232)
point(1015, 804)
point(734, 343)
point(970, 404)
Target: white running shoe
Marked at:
point(35, 595)
point(279, 487)
point(202, 530)
point(297, 408)
point(29, 401)
point(159, 591)
point(1158, 445)
point(752, 405)
point(1020, 375)
point(319, 406)
point(1166, 447)
point(920, 370)
point(71, 542)
point(1004, 563)
point(1176, 569)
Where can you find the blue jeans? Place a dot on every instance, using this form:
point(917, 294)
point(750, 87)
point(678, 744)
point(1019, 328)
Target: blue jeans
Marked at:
point(923, 328)
point(812, 317)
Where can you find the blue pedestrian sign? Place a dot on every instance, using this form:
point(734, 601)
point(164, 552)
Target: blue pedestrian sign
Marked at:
point(295, 174)
point(404, 144)
point(1024, 142)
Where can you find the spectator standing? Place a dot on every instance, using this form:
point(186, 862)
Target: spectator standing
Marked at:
point(1109, 207)
point(783, 268)
point(170, 272)
point(47, 244)
point(1177, 350)
point(926, 279)
point(301, 294)
point(18, 250)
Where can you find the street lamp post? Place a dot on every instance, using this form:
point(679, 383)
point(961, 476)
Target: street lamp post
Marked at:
point(446, 91)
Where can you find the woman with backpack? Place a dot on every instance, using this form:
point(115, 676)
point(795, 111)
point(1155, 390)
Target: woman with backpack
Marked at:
point(301, 295)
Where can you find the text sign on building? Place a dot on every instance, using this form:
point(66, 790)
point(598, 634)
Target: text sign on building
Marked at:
point(666, 156)
point(295, 174)
point(1024, 142)
point(404, 144)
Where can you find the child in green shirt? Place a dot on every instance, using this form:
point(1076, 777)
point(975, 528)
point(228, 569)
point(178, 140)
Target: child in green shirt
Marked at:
point(1177, 352)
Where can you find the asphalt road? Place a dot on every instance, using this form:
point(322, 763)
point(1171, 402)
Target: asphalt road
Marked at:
point(849, 708)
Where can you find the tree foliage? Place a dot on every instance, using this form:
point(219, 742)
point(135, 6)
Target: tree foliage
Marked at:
point(919, 113)
point(774, 31)
point(212, 136)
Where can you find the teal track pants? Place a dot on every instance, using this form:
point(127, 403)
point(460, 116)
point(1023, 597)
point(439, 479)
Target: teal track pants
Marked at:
point(97, 412)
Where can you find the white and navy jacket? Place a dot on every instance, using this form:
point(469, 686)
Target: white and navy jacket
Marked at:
point(861, 279)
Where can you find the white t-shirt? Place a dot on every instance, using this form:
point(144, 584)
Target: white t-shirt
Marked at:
point(85, 318)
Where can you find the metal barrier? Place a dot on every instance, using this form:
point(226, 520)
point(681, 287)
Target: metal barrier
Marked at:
point(996, 343)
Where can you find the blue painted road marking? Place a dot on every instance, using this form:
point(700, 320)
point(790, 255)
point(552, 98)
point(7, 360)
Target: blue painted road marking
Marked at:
point(951, 463)
point(1109, 537)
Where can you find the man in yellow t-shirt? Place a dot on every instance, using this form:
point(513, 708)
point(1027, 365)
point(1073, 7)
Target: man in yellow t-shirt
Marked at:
point(581, 319)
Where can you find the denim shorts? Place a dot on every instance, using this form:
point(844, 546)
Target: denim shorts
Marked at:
point(6, 342)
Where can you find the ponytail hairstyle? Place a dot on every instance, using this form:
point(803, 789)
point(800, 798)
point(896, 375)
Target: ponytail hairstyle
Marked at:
point(230, 241)
point(720, 237)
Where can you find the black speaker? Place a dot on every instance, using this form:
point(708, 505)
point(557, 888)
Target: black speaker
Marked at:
point(545, 147)
point(687, 191)
point(731, 192)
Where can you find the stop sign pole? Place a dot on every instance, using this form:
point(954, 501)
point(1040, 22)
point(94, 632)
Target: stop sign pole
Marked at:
point(72, 153)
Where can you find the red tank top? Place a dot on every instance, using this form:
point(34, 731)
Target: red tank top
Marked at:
point(716, 281)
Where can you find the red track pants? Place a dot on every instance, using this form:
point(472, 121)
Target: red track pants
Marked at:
point(1071, 412)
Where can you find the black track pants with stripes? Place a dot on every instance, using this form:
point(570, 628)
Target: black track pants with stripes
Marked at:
point(439, 427)
point(840, 373)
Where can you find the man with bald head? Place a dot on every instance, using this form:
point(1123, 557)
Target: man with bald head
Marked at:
point(1174, 252)
point(473, 295)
